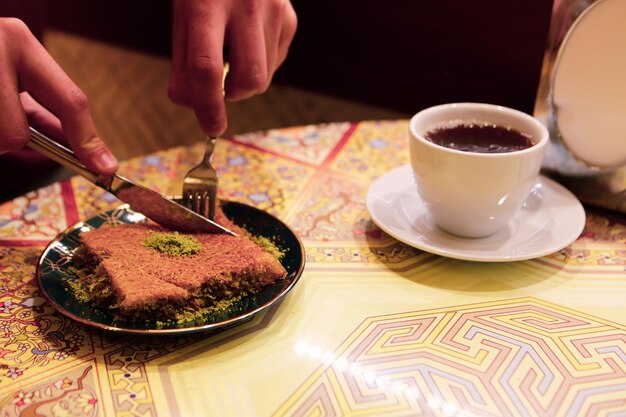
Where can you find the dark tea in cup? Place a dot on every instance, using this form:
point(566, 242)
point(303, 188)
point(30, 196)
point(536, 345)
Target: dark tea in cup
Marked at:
point(479, 137)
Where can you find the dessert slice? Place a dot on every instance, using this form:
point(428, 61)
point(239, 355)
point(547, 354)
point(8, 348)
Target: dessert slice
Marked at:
point(145, 272)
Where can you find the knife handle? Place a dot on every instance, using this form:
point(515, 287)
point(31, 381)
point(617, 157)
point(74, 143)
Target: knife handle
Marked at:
point(59, 153)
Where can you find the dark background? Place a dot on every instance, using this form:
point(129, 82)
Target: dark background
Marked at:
point(400, 54)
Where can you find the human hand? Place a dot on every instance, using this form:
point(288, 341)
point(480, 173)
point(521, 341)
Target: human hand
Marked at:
point(34, 89)
point(257, 34)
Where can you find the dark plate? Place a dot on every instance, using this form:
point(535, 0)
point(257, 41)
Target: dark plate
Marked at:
point(55, 261)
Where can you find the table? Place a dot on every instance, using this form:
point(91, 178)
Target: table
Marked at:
point(374, 327)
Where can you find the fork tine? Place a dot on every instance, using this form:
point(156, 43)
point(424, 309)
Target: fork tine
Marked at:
point(188, 200)
point(199, 203)
point(202, 204)
point(212, 196)
point(195, 202)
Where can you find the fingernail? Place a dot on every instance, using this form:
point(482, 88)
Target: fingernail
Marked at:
point(107, 162)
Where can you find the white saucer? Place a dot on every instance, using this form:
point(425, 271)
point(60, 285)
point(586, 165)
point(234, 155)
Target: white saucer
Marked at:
point(551, 219)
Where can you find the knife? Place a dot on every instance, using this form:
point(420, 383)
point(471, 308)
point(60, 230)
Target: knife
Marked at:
point(151, 204)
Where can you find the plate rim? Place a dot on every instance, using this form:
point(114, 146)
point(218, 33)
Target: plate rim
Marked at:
point(222, 325)
point(459, 254)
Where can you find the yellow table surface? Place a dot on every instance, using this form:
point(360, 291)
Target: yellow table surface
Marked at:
point(373, 328)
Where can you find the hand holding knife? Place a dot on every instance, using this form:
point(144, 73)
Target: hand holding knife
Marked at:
point(153, 205)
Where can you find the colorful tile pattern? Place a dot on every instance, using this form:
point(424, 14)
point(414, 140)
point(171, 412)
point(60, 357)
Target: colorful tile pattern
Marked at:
point(36, 216)
point(310, 144)
point(511, 358)
point(373, 149)
point(374, 327)
point(74, 394)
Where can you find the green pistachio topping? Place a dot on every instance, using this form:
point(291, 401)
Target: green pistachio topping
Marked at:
point(268, 246)
point(173, 243)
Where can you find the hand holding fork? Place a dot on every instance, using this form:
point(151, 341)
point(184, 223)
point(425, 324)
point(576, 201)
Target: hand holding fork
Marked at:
point(200, 184)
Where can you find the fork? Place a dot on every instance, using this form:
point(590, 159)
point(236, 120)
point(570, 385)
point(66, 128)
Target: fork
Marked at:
point(200, 184)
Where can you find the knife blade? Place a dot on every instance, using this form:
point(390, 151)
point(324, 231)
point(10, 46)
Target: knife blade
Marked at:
point(151, 204)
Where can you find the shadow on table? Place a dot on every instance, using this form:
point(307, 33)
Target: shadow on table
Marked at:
point(453, 274)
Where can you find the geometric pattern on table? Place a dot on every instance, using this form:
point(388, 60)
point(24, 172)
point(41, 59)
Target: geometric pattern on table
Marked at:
point(601, 249)
point(120, 374)
point(308, 144)
point(373, 149)
point(332, 211)
point(73, 394)
point(112, 375)
point(91, 200)
point(34, 217)
point(260, 179)
point(34, 338)
point(519, 357)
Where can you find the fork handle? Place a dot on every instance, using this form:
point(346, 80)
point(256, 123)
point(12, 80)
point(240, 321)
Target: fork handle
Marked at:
point(210, 147)
point(59, 153)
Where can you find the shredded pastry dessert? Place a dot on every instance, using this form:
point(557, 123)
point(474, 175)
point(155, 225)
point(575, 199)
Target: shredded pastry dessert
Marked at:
point(145, 272)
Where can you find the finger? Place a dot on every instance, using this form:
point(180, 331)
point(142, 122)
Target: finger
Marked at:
point(43, 78)
point(178, 89)
point(248, 73)
point(280, 28)
point(287, 33)
point(13, 124)
point(41, 118)
point(272, 32)
point(205, 66)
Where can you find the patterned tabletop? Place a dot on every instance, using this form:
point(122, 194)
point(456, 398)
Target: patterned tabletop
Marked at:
point(374, 327)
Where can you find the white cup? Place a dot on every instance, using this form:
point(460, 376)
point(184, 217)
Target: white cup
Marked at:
point(473, 194)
